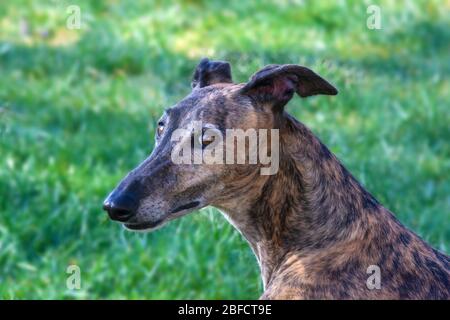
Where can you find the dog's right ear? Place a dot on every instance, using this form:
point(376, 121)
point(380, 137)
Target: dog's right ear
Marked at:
point(211, 72)
point(276, 84)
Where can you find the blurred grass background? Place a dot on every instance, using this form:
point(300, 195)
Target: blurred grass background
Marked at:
point(78, 110)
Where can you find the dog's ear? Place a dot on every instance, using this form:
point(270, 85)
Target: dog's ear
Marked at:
point(211, 72)
point(276, 84)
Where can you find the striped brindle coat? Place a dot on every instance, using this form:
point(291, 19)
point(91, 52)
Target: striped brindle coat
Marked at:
point(314, 229)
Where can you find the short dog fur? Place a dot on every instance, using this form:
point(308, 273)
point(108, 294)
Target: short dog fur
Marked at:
point(313, 228)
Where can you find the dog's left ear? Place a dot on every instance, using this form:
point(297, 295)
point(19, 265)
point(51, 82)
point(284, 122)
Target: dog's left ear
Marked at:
point(276, 84)
point(211, 72)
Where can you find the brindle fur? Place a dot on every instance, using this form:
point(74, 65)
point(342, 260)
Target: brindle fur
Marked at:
point(313, 228)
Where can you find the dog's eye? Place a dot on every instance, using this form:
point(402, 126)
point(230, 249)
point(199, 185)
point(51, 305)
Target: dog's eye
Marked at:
point(160, 128)
point(206, 138)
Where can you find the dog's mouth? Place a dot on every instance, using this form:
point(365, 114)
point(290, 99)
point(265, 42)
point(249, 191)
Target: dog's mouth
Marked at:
point(153, 225)
point(190, 205)
point(144, 225)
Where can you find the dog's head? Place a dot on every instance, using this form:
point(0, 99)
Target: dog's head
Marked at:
point(195, 161)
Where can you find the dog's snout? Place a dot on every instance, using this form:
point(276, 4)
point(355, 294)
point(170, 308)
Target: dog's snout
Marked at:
point(121, 207)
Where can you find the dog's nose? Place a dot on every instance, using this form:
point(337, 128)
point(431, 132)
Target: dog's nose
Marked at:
point(121, 207)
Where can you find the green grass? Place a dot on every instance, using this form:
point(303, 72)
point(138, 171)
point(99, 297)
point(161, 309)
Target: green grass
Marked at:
point(78, 110)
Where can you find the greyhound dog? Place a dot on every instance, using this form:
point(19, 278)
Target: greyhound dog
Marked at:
point(315, 231)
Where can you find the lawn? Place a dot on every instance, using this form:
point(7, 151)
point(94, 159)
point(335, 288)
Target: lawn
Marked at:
point(78, 109)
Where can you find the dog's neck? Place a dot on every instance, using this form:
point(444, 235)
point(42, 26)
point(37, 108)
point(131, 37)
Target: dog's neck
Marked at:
point(312, 203)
